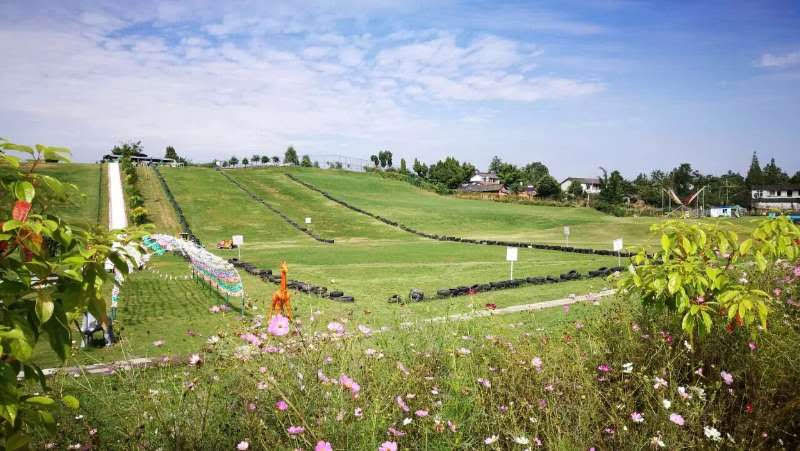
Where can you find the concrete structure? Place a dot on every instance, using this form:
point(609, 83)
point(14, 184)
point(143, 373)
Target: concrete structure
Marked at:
point(727, 211)
point(590, 185)
point(776, 197)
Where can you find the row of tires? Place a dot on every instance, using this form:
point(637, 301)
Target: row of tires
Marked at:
point(418, 296)
point(178, 210)
point(289, 220)
point(266, 275)
point(431, 236)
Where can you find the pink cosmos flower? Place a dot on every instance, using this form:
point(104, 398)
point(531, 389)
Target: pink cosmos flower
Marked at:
point(322, 377)
point(395, 433)
point(364, 330)
point(421, 413)
point(752, 346)
point(335, 327)
point(484, 382)
point(797, 271)
point(323, 446)
point(677, 419)
point(158, 343)
point(726, 377)
point(358, 412)
point(491, 440)
point(604, 368)
point(278, 325)
point(536, 362)
point(402, 404)
point(349, 384)
point(281, 405)
point(195, 360)
point(295, 430)
point(637, 417)
point(659, 383)
point(388, 446)
point(243, 445)
point(251, 407)
point(451, 426)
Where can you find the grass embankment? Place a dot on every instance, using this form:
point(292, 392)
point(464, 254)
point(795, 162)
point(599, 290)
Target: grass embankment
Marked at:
point(160, 212)
point(87, 178)
point(370, 260)
point(433, 213)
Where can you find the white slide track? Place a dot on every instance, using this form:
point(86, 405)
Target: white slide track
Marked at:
point(117, 219)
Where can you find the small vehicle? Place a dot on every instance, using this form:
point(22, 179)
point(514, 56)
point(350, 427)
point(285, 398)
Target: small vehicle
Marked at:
point(226, 244)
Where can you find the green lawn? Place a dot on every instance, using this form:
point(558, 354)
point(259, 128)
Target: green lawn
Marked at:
point(429, 212)
point(87, 178)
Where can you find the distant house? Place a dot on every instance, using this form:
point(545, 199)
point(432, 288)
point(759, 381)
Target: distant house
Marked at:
point(488, 188)
point(776, 197)
point(485, 178)
point(589, 185)
point(726, 211)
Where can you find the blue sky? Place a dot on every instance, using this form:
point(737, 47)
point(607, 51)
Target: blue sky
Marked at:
point(620, 84)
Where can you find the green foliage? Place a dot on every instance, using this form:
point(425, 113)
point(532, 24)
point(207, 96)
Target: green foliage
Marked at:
point(233, 161)
point(754, 175)
point(264, 159)
point(127, 149)
point(403, 167)
point(290, 156)
point(50, 272)
point(451, 173)
point(245, 162)
point(137, 212)
point(612, 187)
point(306, 162)
point(548, 187)
point(420, 168)
point(707, 276)
point(575, 189)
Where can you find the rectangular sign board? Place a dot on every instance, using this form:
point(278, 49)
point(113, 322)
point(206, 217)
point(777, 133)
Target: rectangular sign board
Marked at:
point(618, 244)
point(566, 230)
point(308, 220)
point(511, 254)
point(238, 240)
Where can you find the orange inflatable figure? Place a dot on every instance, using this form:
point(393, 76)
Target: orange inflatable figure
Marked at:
point(281, 300)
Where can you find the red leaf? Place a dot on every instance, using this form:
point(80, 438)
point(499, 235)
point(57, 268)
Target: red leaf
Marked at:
point(21, 210)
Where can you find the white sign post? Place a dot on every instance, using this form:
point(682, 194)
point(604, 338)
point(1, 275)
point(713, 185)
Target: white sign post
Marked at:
point(511, 256)
point(308, 220)
point(618, 248)
point(566, 234)
point(238, 240)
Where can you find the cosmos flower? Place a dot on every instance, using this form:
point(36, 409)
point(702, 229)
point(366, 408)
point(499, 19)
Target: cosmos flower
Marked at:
point(349, 384)
point(627, 368)
point(677, 419)
point(491, 440)
point(388, 446)
point(402, 404)
point(195, 360)
point(659, 383)
point(484, 382)
point(295, 430)
point(278, 325)
point(536, 362)
point(666, 403)
point(335, 327)
point(637, 417)
point(365, 330)
point(712, 433)
point(323, 446)
point(243, 445)
point(726, 377)
point(604, 368)
point(281, 405)
point(421, 413)
point(521, 440)
point(158, 343)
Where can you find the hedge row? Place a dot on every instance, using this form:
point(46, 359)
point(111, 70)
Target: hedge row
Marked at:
point(178, 211)
point(266, 275)
point(431, 236)
point(100, 195)
point(278, 212)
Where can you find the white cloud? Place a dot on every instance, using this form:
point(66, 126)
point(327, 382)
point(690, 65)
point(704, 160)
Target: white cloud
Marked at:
point(779, 61)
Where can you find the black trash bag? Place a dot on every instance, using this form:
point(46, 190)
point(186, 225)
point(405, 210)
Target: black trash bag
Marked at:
point(416, 295)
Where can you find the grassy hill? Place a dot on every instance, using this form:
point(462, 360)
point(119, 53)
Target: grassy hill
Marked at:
point(87, 177)
point(433, 213)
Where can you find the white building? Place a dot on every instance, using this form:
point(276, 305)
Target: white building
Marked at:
point(726, 211)
point(776, 197)
point(589, 185)
point(488, 178)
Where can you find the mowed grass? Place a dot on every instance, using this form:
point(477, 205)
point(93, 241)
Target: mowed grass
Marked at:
point(87, 178)
point(429, 212)
point(370, 260)
point(160, 212)
point(155, 304)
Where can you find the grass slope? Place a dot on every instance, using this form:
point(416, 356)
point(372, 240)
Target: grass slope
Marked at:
point(87, 178)
point(433, 213)
point(159, 209)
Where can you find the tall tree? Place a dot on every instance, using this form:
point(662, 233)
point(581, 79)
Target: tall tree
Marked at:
point(547, 186)
point(612, 187)
point(264, 159)
point(494, 166)
point(684, 179)
point(754, 175)
point(375, 160)
point(233, 161)
point(420, 168)
point(128, 148)
point(256, 158)
point(450, 172)
point(403, 167)
point(171, 153)
point(795, 178)
point(773, 175)
point(290, 156)
point(306, 161)
point(276, 160)
point(245, 162)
